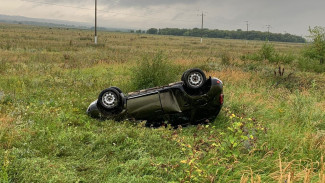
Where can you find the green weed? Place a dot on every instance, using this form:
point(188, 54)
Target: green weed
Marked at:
point(268, 52)
point(153, 71)
point(307, 64)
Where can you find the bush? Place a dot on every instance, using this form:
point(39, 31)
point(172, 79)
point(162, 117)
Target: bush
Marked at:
point(317, 49)
point(3, 66)
point(267, 51)
point(253, 56)
point(283, 58)
point(86, 38)
point(308, 64)
point(154, 71)
point(225, 59)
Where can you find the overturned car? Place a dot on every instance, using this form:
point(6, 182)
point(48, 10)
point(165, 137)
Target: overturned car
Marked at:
point(194, 99)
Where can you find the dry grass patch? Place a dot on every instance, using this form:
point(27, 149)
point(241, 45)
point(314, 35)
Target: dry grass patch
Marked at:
point(320, 105)
point(294, 171)
point(8, 133)
point(6, 122)
point(185, 62)
point(233, 76)
point(290, 172)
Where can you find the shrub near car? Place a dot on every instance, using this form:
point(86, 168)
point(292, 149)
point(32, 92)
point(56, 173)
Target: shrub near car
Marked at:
point(194, 99)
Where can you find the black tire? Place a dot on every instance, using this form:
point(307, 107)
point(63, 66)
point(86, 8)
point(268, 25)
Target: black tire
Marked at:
point(194, 79)
point(110, 101)
point(182, 78)
point(116, 88)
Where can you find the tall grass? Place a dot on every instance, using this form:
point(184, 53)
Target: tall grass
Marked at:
point(268, 52)
point(308, 64)
point(271, 128)
point(154, 70)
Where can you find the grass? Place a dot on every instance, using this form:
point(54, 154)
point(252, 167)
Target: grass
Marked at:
point(271, 128)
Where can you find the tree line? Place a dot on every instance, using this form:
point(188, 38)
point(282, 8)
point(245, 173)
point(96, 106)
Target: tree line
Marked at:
point(227, 34)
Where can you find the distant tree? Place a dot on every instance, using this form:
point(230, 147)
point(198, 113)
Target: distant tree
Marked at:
point(234, 34)
point(138, 31)
point(152, 31)
point(132, 31)
point(317, 49)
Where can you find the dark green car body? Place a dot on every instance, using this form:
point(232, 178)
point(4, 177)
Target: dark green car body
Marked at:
point(174, 103)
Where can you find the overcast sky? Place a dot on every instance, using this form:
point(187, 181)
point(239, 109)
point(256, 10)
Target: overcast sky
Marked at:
point(292, 16)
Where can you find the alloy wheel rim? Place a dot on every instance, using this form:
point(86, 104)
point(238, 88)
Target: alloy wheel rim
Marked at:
point(195, 79)
point(109, 99)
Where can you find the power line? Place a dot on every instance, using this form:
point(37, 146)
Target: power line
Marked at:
point(202, 25)
point(95, 21)
point(247, 29)
point(246, 32)
point(268, 31)
point(268, 28)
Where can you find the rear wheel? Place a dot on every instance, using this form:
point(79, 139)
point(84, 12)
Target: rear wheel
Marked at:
point(116, 88)
point(194, 79)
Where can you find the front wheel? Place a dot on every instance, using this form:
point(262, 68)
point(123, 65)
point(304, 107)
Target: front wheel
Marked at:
point(194, 79)
point(110, 101)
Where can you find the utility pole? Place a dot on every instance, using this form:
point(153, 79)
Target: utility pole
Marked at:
point(202, 26)
point(95, 21)
point(246, 32)
point(268, 31)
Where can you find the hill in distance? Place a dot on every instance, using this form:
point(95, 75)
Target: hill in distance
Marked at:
point(54, 23)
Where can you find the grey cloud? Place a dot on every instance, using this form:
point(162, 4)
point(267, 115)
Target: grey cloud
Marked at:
point(144, 3)
point(292, 16)
point(127, 3)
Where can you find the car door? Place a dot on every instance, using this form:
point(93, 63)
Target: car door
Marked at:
point(145, 106)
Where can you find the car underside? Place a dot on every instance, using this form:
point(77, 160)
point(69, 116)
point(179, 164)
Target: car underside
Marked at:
point(195, 99)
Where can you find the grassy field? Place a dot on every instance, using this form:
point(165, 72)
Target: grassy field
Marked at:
point(271, 128)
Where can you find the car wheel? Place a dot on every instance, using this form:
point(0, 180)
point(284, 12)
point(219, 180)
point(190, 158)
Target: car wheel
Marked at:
point(183, 76)
point(194, 78)
point(116, 88)
point(110, 100)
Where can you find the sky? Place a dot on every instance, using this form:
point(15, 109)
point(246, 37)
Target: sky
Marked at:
point(284, 16)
